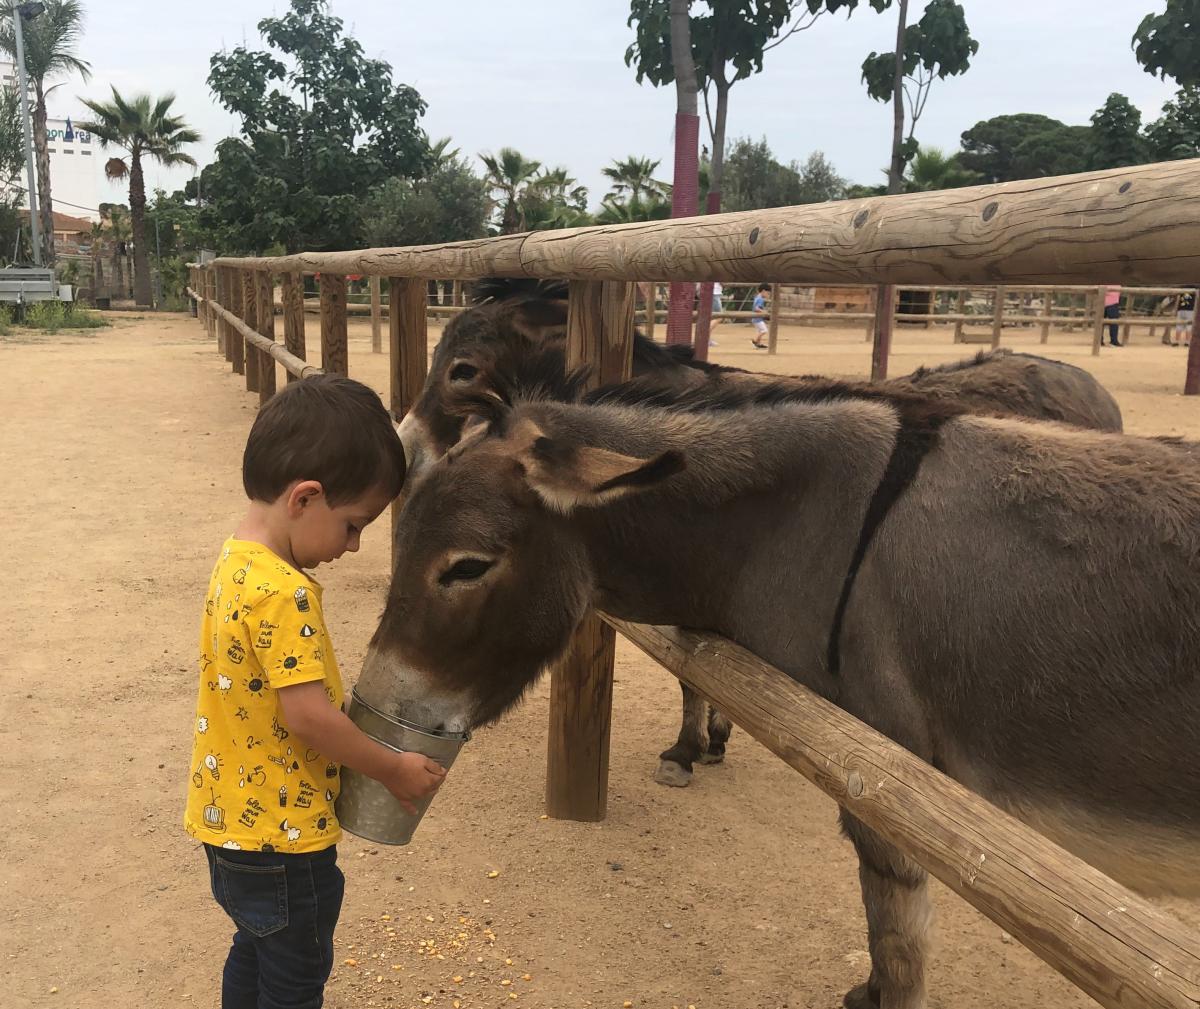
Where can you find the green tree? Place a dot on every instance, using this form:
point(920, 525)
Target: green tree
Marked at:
point(633, 179)
point(555, 200)
point(51, 42)
point(1176, 133)
point(143, 127)
point(450, 204)
point(932, 169)
point(321, 125)
point(510, 175)
point(1024, 146)
point(754, 180)
point(1168, 44)
point(936, 47)
point(819, 181)
point(615, 210)
point(1116, 138)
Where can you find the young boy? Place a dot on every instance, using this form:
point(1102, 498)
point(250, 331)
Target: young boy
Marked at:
point(322, 462)
point(761, 315)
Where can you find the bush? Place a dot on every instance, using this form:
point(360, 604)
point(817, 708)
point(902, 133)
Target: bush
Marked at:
point(55, 315)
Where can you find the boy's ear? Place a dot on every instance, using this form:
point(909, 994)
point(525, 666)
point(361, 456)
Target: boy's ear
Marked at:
point(301, 495)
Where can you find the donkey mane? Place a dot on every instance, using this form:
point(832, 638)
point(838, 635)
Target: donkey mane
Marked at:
point(719, 395)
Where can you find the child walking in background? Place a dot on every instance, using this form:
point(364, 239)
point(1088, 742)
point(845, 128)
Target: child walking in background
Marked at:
point(761, 316)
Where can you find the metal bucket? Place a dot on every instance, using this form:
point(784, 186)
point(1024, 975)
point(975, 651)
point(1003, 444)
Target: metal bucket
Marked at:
point(364, 806)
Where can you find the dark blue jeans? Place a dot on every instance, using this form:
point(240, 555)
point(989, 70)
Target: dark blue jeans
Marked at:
point(285, 908)
point(1112, 312)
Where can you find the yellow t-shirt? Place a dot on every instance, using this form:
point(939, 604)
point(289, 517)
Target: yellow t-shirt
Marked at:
point(254, 785)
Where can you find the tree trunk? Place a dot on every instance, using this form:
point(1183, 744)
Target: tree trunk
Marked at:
point(716, 170)
point(42, 157)
point(685, 195)
point(896, 171)
point(137, 215)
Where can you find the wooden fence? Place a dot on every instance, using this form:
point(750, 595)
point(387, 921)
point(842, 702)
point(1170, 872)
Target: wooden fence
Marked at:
point(1133, 225)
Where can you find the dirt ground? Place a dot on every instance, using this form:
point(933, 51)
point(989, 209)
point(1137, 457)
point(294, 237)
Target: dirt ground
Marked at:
point(125, 446)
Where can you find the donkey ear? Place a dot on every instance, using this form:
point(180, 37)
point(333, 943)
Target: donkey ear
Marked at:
point(538, 320)
point(568, 476)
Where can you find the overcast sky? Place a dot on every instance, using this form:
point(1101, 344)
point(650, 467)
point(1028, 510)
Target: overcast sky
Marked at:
point(548, 76)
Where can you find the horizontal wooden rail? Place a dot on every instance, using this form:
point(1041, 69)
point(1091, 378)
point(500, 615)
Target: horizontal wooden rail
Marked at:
point(1139, 224)
point(293, 364)
point(1117, 947)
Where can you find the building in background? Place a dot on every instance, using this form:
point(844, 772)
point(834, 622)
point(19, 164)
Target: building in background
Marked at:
point(76, 162)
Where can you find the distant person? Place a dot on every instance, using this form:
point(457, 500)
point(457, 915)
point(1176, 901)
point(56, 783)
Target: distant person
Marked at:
point(1185, 318)
point(717, 309)
point(762, 316)
point(1112, 310)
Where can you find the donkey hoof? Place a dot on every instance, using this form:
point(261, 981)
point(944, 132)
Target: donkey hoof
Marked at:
point(670, 773)
point(713, 757)
point(860, 998)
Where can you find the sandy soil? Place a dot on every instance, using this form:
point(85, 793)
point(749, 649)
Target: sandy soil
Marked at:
point(125, 446)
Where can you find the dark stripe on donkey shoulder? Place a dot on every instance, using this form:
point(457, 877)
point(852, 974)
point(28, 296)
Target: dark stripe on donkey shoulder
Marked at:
point(918, 435)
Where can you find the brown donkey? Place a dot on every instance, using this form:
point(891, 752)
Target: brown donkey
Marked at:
point(516, 334)
point(1015, 603)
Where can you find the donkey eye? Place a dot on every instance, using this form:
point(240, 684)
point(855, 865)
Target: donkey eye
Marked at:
point(463, 372)
point(469, 569)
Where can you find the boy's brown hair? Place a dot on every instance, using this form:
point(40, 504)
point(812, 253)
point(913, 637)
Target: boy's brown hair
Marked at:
point(326, 428)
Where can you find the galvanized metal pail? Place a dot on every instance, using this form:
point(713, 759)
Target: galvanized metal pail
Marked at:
point(365, 807)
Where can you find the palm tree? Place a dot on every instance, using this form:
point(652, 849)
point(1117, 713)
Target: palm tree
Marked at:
point(509, 176)
point(932, 169)
point(50, 42)
point(97, 270)
point(119, 234)
point(144, 127)
point(633, 178)
point(615, 211)
point(442, 153)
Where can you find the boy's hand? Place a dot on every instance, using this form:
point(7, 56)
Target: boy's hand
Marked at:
point(412, 776)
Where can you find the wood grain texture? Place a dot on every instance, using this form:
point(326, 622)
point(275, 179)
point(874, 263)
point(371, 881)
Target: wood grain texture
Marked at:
point(885, 320)
point(408, 342)
point(1117, 947)
point(292, 297)
point(335, 354)
point(1139, 224)
point(600, 335)
point(250, 318)
point(376, 317)
point(264, 290)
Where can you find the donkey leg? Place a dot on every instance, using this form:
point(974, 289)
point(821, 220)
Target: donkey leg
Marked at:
point(895, 892)
point(675, 764)
point(719, 728)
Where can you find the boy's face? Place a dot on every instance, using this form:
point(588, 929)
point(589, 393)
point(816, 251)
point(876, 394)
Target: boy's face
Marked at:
point(320, 533)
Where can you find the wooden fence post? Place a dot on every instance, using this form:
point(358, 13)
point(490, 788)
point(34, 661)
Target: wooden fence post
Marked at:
point(1047, 314)
point(408, 350)
point(773, 322)
point(998, 300)
point(408, 342)
point(599, 333)
point(651, 308)
point(236, 343)
point(872, 301)
point(1098, 321)
point(960, 309)
point(885, 314)
point(1191, 383)
point(250, 318)
point(265, 288)
point(214, 328)
point(334, 352)
point(376, 317)
point(219, 281)
point(292, 296)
